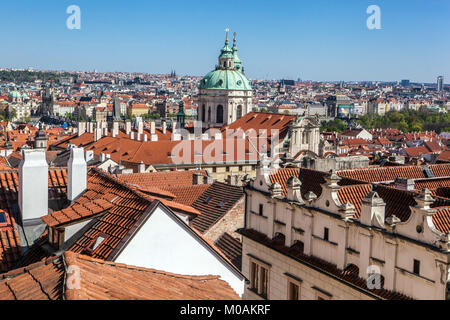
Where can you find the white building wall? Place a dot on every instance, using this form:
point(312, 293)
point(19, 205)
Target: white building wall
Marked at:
point(368, 246)
point(163, 244)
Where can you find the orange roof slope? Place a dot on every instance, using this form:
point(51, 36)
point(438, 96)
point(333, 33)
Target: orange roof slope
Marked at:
point(263, 121)
point(379, 174)
point(46, 280)
point(163, 179)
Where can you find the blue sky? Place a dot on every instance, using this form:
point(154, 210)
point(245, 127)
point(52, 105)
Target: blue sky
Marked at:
point(312, 40)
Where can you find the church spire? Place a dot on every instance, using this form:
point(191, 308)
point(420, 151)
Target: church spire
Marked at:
point(226, 38)
point(237, 61)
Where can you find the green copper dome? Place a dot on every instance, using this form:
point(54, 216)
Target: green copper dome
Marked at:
point(225, 80)
point(228, 74)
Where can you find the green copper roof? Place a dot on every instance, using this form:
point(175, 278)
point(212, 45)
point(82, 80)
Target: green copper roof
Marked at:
point(226, 51)
point(225, 80)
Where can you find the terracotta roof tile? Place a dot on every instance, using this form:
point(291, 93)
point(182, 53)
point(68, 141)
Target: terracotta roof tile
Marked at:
point(214, 203)
point(46, 281)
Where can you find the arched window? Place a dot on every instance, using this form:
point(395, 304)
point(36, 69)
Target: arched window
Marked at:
point(219, 114)
point(238, 112)
point(209, 115)
point(203, 113)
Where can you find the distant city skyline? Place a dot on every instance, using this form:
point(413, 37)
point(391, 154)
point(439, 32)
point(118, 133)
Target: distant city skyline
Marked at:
point(319, 41)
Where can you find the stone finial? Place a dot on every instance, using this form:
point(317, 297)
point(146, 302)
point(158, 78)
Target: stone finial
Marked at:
point(347, 211)
point(310, 196)
point(332, 179)
point(424, 200)
point(275, 189)
point(293, 185)
point(392, 220)
point(373, 199)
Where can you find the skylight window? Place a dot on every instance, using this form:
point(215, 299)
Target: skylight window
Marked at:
point(220, 205)
point(98, 242)
point(208, 199)
point(2, 217)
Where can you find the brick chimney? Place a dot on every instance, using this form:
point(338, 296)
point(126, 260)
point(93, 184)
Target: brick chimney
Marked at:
point(198, 178)
point(404, 184)
point(76, 174)
point(33, 185)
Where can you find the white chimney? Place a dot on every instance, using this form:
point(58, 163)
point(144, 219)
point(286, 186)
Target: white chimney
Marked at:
point(76, 173)
point(141, 167)
point(145, 137)
point(140, 127)
point(164, 127)
point(97, 134)
point(81, 128)
point(115, 130)
point(152, 127)
point(33, 185)
point(127, 127)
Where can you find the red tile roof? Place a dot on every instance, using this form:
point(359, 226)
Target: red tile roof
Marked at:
point(78, 212)
point(282, 175)
point(232, 249)
point(47, 280)
point(163, 179)
point(10, 250)
point(380, 174)
point(215, 203)
point(263, 121)
point(355, 195)
point(416, 151)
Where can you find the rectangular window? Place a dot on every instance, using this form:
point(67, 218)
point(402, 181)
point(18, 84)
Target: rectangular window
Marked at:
point(214, 169)
point(228, 169)
point(260, 211)
point(293, 291)
point(416, 267)
point(325, 234)
point(240, 168)
point(264, 282)
point(254, 274)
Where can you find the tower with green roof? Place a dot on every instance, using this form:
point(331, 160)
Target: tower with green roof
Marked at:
point(225, 94)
